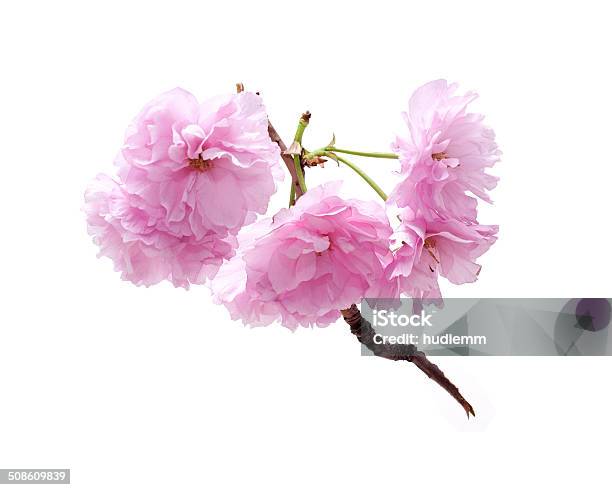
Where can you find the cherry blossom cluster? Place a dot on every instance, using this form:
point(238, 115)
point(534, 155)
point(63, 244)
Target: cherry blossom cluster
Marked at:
point(194, 180)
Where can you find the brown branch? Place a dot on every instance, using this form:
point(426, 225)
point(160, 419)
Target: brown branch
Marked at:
point(287, 159)
point(364, 332)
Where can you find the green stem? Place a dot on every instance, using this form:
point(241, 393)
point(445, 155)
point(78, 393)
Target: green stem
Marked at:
point(299, 173)
point(299, 132)
point(363, 153)
point(297, 158)
point(292, 195)
point(361, 173)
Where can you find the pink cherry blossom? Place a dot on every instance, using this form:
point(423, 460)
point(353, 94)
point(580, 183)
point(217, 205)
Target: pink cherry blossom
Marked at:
point(190, 177)
point(429, 249)
point(208, 167)
point(308, 262)
point(445, 157)
point(142, 248)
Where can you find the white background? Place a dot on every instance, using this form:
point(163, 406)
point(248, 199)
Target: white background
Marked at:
point(156, 388)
